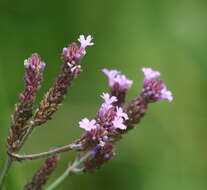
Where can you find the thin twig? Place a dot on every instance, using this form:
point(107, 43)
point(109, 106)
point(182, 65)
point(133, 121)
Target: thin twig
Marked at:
point(18, 157)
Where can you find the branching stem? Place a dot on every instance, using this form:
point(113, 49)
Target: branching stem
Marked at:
point(18, 157)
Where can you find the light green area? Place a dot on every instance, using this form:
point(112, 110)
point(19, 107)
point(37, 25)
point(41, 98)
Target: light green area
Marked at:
point(168, 150)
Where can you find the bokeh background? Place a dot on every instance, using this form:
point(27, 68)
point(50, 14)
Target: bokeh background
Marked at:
point(167, 151)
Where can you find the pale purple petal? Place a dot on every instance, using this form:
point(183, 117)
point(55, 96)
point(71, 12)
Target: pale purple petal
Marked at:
point(87, 124)
point(115, 77)
point(109, 99)
point(111, 74)
point(166, 94)
point(120, 113)
point(149, 73)
point(118, 123)
point(85, 41)
point(123, 82)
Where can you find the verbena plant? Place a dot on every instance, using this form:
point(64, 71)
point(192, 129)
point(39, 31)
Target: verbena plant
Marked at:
point(95, 146)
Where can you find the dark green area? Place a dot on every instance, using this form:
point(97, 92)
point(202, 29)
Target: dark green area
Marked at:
point(167, 151)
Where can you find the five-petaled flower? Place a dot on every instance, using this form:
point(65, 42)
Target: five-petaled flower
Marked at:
point(120, 113)
point(109, 100)
point(85, 41)
point(149, 73)
point(117, 80)
point(118, 123)
point(87, 124)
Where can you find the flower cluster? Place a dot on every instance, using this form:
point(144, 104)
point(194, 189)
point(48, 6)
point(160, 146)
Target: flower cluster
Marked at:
point(96, 146)
point(111, 121)
point(118, 84)
point(73, 54)
point(98, 131)
point(155, 90)
point(109, 116)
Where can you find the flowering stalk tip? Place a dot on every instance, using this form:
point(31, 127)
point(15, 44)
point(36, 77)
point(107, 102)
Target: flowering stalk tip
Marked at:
point(23, 109)
point(155, 89)
point(118, 84)
point(71, 68)
point(33, 76)
point(73, 53)
point(116, 78)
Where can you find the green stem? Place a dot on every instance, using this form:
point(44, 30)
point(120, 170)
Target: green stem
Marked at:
point(7, 165)
point(18, 157)
point(8, 161)
point(76, 163)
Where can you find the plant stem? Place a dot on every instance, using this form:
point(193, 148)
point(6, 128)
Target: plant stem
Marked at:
point(7, 165)
point(8, 161)
point(76, 163)
point(17, 157)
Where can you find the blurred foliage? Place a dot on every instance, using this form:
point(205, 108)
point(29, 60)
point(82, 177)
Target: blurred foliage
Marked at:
point(168, 149)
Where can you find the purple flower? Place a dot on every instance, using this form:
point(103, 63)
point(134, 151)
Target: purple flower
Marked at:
point(108, 100)
point(166, 94)
point(149, 73)
point(112, 116)
point(87, 124)
point(107, 105)
point(85, 41)
point(120, 113)
point(118, 123)
point(117, 79)
point(154, 89)
point(73, 54)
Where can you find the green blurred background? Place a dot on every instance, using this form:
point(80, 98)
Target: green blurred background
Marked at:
point(168, 149)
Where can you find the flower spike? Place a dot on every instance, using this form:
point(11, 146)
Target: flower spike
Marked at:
point(154, 89)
